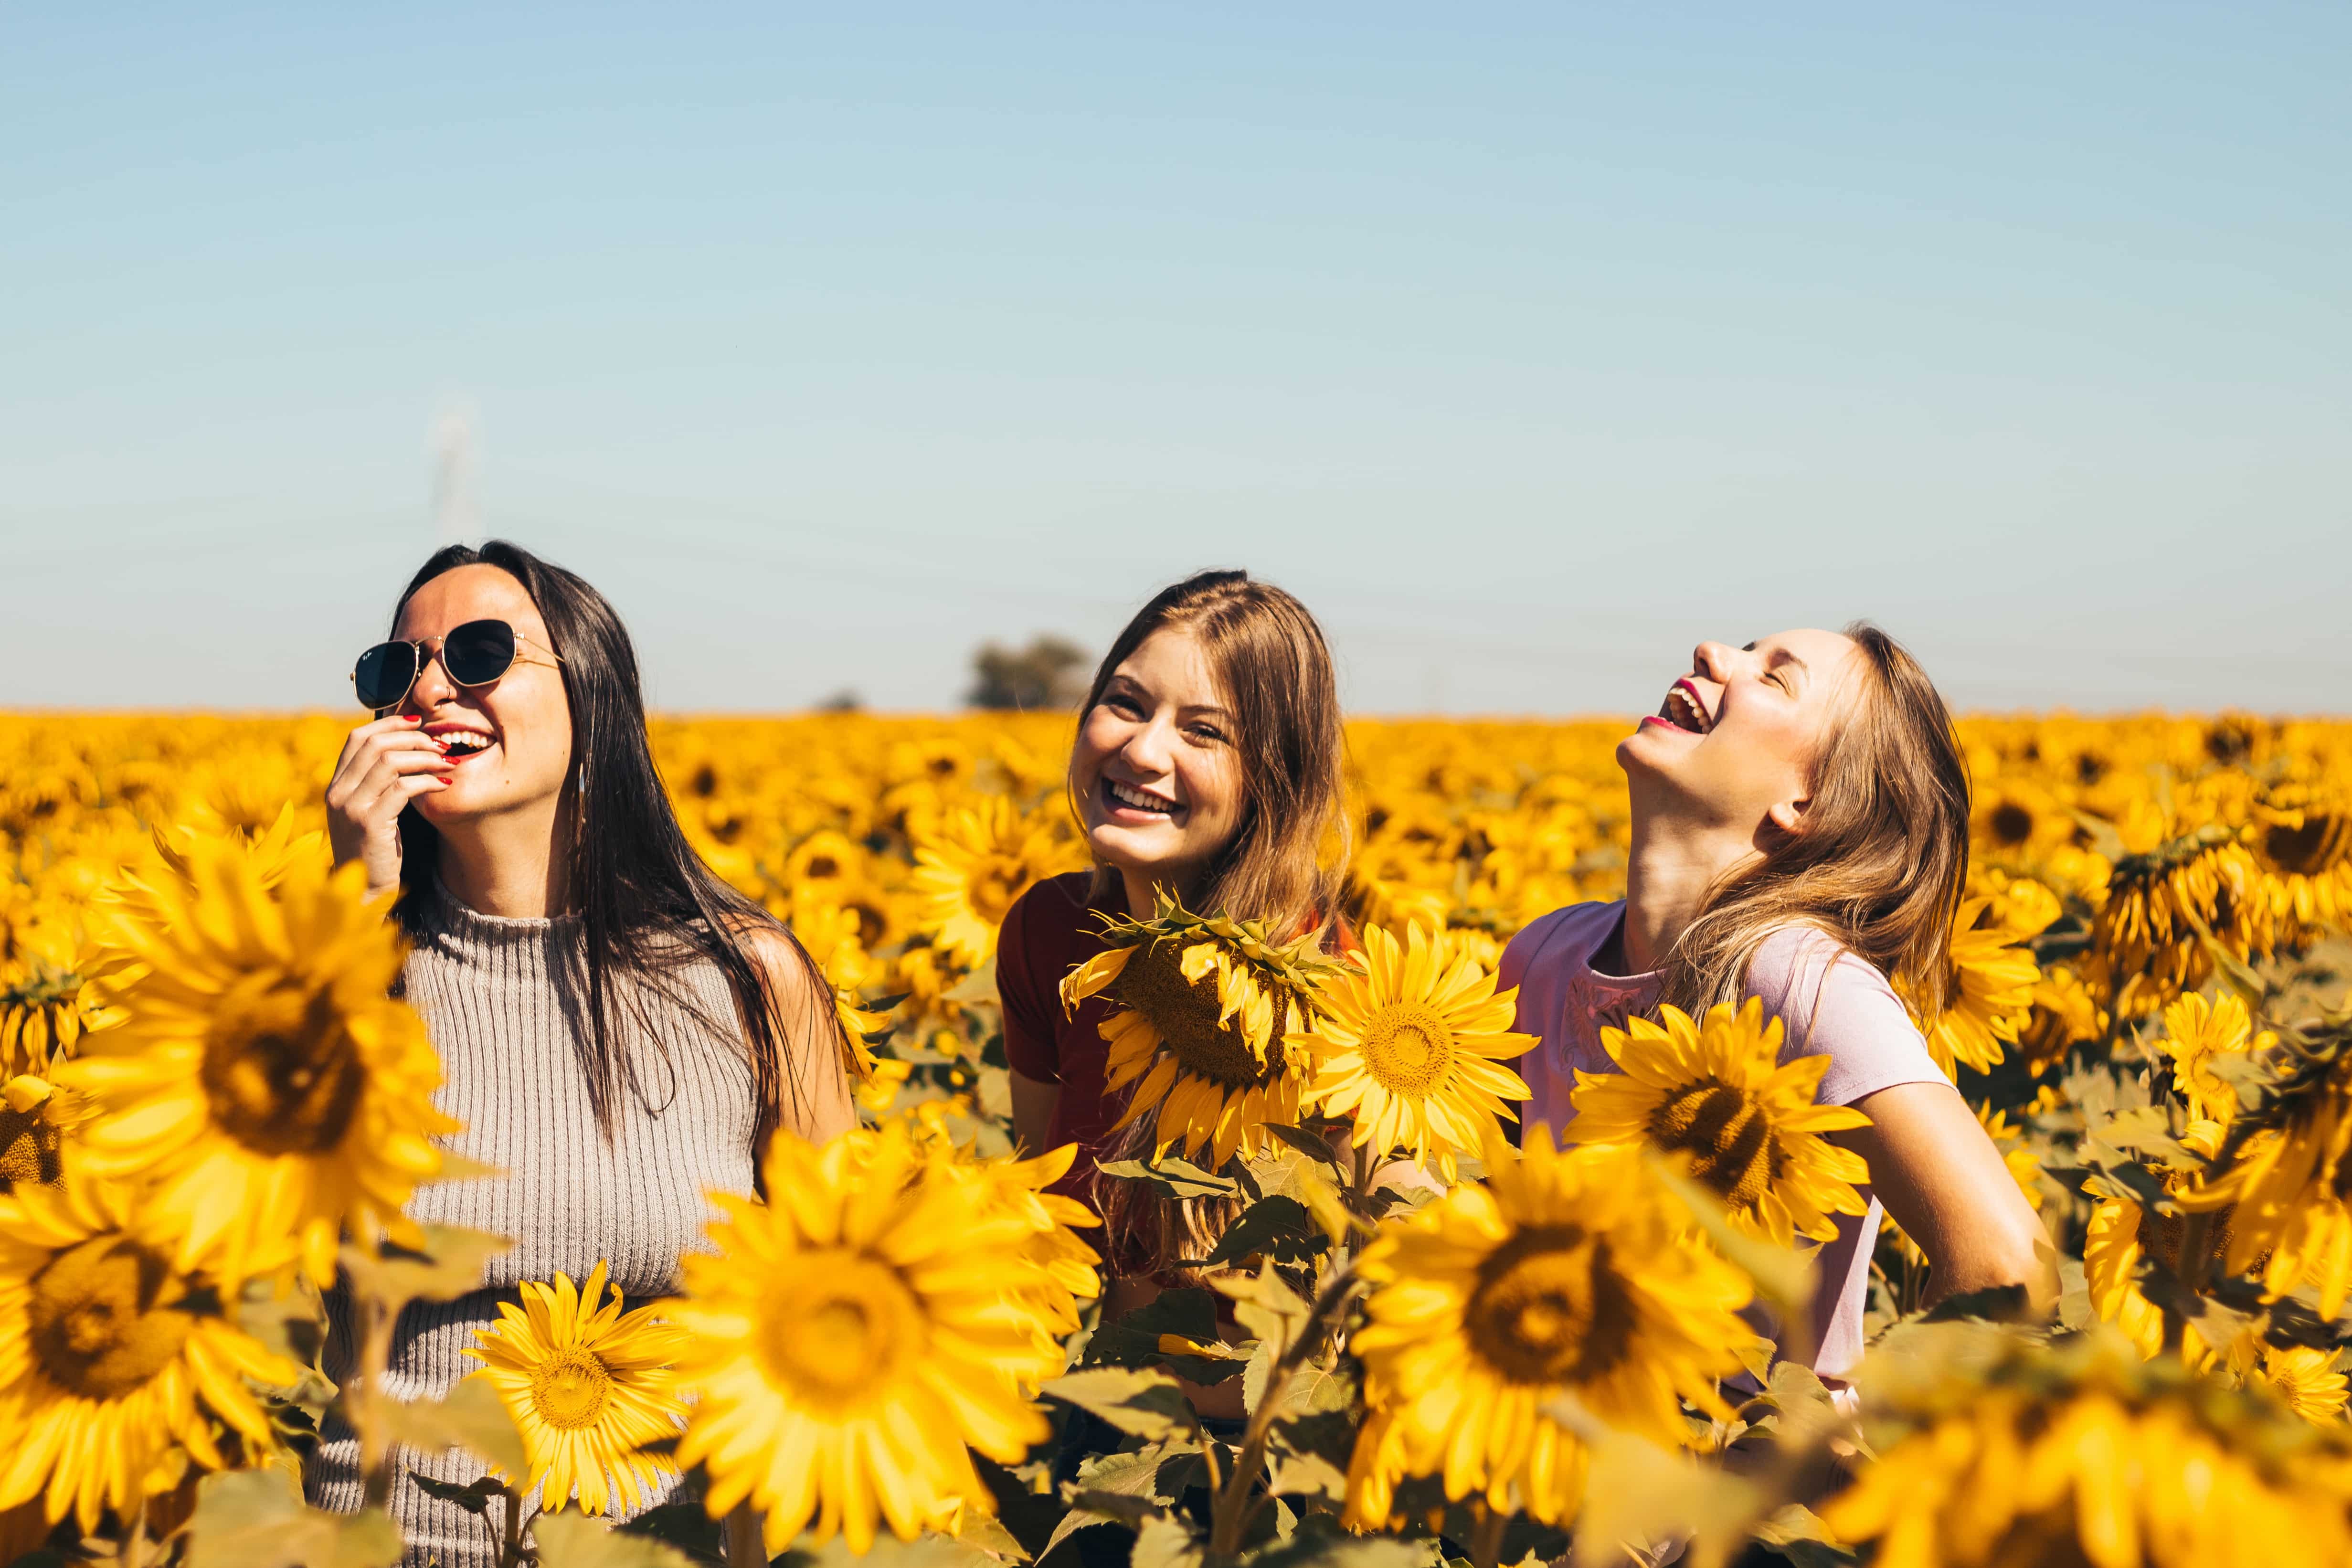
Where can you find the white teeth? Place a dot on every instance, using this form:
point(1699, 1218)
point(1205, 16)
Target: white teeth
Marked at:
point(464, 740)
point(1685, 710)
point(1137, 798)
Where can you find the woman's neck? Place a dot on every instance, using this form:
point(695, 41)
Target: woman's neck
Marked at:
point(1669, 871)
point(506, 866)
point(1142, 891)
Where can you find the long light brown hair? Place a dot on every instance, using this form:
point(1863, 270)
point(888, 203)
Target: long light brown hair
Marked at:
point(1268, 657)
point(1274, 670)
point(1881, 863)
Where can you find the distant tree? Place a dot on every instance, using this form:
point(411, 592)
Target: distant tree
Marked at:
point(1051, 672)
point(846, 700)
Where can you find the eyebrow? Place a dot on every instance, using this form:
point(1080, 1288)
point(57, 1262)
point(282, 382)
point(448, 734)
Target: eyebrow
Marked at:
point(1197, 710)
point(1782, 656)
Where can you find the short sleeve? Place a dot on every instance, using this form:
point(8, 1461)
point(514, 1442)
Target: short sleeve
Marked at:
point(1032, 1008)
point(1835, 1004)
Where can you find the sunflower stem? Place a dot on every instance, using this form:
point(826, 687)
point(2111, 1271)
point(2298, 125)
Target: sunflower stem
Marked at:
point(130, 1552)
point(510, 1553)
point(364, 1395)
point(1486, 1538)
point(1232, 1514)
point(2189, 1270)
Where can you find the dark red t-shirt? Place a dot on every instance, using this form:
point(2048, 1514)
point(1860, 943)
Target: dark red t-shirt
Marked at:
point(1049, 931)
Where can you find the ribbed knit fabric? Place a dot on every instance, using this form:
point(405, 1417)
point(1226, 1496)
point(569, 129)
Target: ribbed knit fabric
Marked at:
point(508, 1024)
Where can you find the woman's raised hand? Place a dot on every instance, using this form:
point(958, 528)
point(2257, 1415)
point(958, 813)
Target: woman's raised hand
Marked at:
point(385, 764)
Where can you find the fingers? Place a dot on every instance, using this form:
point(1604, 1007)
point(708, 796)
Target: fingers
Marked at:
point(373, 756)
point(357, 741)
point(383, 789)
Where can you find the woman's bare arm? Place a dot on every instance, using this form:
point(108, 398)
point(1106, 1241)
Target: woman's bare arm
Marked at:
point(1941, 1178)
point(816, 1102)
point(1032, 1111)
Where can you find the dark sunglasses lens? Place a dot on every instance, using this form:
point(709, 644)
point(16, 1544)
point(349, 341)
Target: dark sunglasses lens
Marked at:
point(479, 652)
point(384, 674)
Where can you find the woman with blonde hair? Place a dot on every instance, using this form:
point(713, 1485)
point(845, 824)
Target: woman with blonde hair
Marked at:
point(1799, 816)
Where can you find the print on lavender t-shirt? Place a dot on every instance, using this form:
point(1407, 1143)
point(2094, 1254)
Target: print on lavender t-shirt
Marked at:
point(1829, 1002)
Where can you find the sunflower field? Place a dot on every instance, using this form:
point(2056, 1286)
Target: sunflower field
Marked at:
point(212, 1106)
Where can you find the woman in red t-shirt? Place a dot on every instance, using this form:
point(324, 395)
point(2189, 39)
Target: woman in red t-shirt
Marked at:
point(1208, 763)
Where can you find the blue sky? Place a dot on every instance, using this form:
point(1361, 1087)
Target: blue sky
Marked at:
point(1528, 345)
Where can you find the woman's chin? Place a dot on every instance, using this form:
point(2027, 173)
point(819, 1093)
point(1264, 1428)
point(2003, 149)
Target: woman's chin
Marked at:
point(1147, 849)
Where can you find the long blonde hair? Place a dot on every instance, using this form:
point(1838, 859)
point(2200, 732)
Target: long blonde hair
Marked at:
point(1881, 862)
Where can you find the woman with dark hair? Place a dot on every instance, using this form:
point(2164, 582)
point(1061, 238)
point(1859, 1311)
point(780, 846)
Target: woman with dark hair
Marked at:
point(619, 1031)
point(1799, 818)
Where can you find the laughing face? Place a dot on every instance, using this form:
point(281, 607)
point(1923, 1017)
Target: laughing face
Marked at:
point(1158, 780)
point(510, 739)
point(1734, 743)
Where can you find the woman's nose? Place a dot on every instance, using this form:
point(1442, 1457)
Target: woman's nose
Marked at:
point(433, 684)
point(1713, 659)
point(1146, 750)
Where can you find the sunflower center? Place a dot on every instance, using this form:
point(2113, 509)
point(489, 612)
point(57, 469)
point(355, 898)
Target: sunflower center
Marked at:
point(996, 881)
point(2012, 824)
point(1185, 1014)
point(2324, 839)
point(97, 1325)
point(1408, 1048)
point(852, 1327)
point(1728, 1136)
point(570, 1388)
point(29, 1147)
point(1548, 1309)
point(282, 1072)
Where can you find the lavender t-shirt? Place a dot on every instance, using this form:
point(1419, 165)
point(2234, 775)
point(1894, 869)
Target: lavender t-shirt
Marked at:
point(1829, 1003)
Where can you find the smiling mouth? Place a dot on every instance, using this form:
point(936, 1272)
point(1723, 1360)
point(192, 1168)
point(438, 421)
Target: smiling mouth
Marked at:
point(1119, 796)
point(457, 745)
point(1683, 711)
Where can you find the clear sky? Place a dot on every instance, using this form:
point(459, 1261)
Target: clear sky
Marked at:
point(1527, 344)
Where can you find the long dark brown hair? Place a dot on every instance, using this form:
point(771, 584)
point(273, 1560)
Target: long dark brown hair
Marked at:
point(1881, 862)
point(647, 906)
point(1284, 862)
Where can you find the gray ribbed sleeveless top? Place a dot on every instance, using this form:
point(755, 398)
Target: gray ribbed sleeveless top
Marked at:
point(498, 999)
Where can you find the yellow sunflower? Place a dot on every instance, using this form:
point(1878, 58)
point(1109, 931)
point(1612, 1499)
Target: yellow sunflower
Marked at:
point(2303, 840)
point(36, 1117)
point(2195, 1031)
point(1716, 1094)
point(1988, 995)
point(48, 1002)
point(2146, 944)
point(829, 933)
point(851, 1342)
point(1565, 1273)
point(1411, 1044)
point(981, 861)
point(264, 1081)
point(2307, 1378)
point(2282, 1197)
point(2000, 1451)
point(1203, 1027)
point(587, 1385)
point(113, 1355)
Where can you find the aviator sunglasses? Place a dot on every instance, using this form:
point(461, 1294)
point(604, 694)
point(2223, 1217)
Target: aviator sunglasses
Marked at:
point(474, 654)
